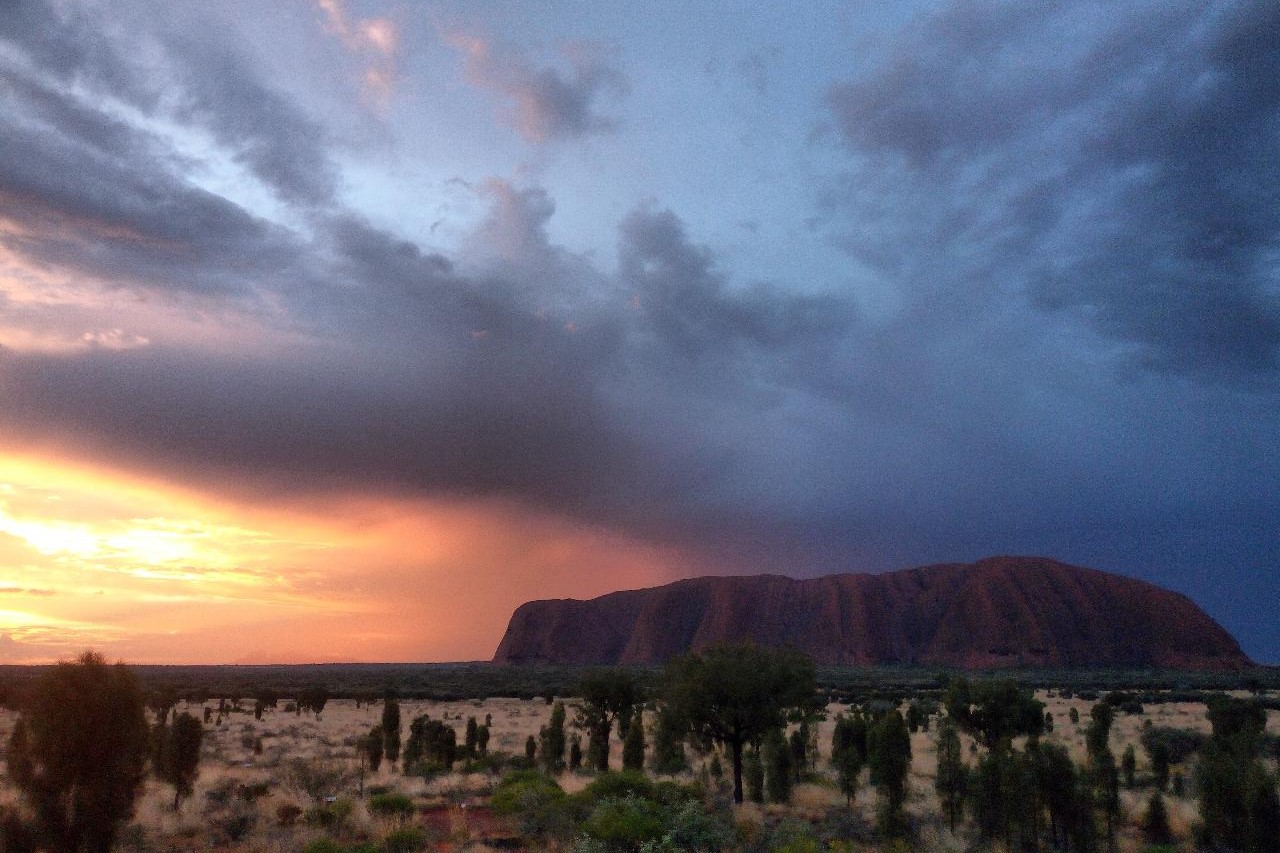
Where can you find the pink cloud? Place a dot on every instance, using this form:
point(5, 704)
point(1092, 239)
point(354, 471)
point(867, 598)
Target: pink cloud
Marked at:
point(545, 103)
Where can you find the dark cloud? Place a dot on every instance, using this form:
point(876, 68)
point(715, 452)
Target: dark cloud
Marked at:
point(1052, 220)
point(546, 103)
point(1115, 164)
point(173, 75)
point(281, 146)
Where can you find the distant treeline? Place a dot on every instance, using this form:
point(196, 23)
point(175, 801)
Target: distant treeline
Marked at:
point(458, 681)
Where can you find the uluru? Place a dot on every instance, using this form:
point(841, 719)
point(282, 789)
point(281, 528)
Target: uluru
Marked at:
point(996, 612)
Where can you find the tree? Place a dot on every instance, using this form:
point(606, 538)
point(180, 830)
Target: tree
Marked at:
point(1128, 765)
point(1155, 821)
point(916, 717)
point(849, 752)
point(374, 745)
point(799, 746)
point(575, 753)
point(1097, 735)
point(668, 741)
point(313, 699)
point(633, 745)
point(1238, 802)
point(952, 782)
point(482, 738)
point(530, 749)
point(433, 742)
point(993, 711)
point(778, 764)
point(753, 775)
point(391, 726)
point(78, 753)
point(608, 695)
point(734, 694)
point(553, 743)
point(471, 739)
point(1106, 783)
point(177, 758)
point(889, 756)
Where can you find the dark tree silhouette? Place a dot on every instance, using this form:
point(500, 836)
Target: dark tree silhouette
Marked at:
point(849, 752)
point(952, 782)
point(992, 711)
point(668, 741)
point(552, 748)
point(633, 745)
point(471, 739)
point(734, 695)
point(778, 767)
point(608, 695)
point(78, 753)
point(391, 726)
point(177, 758)
point(889, 757)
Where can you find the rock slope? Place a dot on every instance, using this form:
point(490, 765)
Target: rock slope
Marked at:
point(997, 612)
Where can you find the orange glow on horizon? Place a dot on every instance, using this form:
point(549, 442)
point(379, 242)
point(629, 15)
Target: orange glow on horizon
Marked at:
point(154, 572)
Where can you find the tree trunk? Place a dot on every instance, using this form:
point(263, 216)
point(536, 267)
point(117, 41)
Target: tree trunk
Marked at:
point(736, 746)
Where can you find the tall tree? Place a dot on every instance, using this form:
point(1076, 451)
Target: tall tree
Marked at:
point(849, 752)
point(608, 696)
point(734, 694)
point(753, 775)
point(391, 725)
point(1238, 802)
point(551, 753)
point(633, 745)
point(778, 766)
point(668, 741)
point(78, 753)
point(472, 737)
point(177, 758)
point(952, 782)
point(889, 756)
point(374, 745)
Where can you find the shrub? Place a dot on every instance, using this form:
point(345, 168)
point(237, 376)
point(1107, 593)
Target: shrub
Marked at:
point(235, 823)
point(331, 815)
point(624, 784)
point(539, 804)
point(406, 839)
point(625, 823)
point(287, 814)
point(394, 806)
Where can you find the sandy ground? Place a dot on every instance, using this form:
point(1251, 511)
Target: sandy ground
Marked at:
point(242, 751)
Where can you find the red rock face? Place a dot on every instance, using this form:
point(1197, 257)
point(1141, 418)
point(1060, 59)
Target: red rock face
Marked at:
point(997, 612)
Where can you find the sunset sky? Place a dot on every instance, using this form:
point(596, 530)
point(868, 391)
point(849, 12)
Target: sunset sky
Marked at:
point(334, 330)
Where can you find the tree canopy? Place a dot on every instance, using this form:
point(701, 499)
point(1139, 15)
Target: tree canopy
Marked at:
point(607, 695)
point(79, 752)
point(993, 711)
point(734, 694)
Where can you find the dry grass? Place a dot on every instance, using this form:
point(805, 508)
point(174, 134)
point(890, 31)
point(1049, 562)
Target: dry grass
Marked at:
point(209, 819)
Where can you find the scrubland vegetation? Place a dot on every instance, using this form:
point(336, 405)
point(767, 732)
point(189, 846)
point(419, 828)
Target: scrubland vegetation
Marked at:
point(738, 748)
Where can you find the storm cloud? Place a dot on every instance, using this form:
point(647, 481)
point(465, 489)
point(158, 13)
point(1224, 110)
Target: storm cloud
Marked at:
point(1073, 210)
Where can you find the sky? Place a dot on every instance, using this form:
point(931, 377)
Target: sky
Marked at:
point(335, 330)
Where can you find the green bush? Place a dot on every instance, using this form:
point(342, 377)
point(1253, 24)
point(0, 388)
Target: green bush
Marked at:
point(391, 805)
point(625, 823)
point(406, 840)
point(331, 815)
point(616, 785)
point(537, 802)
